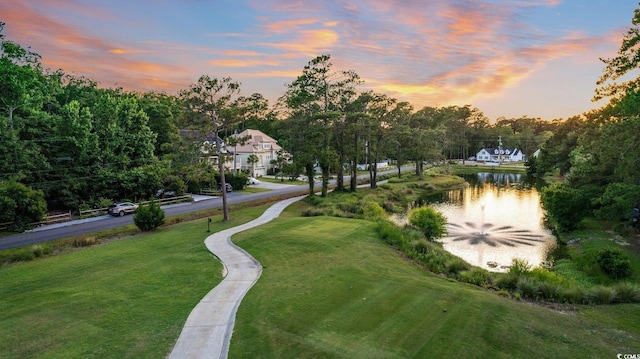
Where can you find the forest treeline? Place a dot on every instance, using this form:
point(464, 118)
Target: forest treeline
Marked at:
point(66, 142)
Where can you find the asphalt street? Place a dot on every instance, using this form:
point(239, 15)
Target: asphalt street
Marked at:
point(79, 227)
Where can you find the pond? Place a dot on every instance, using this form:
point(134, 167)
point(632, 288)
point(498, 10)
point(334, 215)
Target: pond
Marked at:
point(496, 219)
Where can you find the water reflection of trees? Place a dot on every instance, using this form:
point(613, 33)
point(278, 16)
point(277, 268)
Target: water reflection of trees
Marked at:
point(480, 183)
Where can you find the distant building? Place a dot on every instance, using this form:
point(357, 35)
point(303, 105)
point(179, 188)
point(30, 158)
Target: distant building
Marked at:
point(209, 144)
point(500, 155)
point(256, 143)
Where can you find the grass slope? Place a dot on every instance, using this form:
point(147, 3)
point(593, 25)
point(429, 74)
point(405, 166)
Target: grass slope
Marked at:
point(124, 299)
point(330, 289)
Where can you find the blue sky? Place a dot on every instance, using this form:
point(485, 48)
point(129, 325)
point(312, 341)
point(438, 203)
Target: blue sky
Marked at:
point(538, 58)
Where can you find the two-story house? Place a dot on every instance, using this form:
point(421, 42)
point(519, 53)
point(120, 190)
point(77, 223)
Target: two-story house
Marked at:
point(254, 152)
point(500, 155)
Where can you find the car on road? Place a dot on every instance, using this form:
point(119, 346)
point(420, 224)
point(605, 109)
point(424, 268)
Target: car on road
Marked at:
point(163, 193)
point(119, 209)
point(228, 187)
point(253, 180)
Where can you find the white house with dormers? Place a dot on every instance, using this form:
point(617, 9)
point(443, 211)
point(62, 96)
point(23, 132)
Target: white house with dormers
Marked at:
point(255, 143)
point(500, 155)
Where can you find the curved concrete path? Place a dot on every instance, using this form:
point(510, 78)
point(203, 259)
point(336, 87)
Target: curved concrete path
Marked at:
point(207, 331)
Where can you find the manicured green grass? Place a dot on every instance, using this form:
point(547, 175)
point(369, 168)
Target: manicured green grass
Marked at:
point(253, 189)
point(123, 299)
point(475, 168)
point(279, 180)
point(330, 289)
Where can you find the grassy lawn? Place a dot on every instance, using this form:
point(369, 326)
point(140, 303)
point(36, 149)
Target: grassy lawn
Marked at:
point(123, 299)
point(585, 244)
point(271, 179)
point(480, 167)
point(253, 189)
point(330, 289)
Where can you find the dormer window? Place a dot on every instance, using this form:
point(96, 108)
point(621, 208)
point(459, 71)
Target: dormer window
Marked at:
point(266, 146)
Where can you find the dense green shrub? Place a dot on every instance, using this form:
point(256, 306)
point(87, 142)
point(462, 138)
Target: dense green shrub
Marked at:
point(602, 295)
point(149, 216)
point(435, 262)
point(349, 205)
point(551, 291)
point(455, 265)
point(617, 201)
point(20, 205)
point(528, 287)
point(431, 222)
point(545, 276)
point(478, 276)
point(421, 246)
point(389, 232)
point(314, 212)
point(176, 184)
point(613, 262)
point(575, 294)
point(565, 206)
point(507, 281)
point(519, 267)
point(373, 211)
point(627, 292)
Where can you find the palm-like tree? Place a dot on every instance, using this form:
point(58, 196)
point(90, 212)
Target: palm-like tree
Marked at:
point(252, 160)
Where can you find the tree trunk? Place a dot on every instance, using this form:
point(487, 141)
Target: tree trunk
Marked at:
point(340, 179)
point(310, 179)
point(325, 180)
point(354, 164)
point(223, 187)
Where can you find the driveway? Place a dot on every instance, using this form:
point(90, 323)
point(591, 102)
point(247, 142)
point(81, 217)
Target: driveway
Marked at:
point(207, 331)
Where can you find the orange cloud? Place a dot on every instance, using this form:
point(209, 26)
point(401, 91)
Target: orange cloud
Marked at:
point(120, 51)
point(310, 43)
point(242, 63)
point(74, 52)
point(285, 26)
point(240, 53)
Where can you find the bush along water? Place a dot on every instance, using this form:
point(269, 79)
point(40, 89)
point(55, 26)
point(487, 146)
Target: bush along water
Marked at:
point(417, 242)
point(521, 281)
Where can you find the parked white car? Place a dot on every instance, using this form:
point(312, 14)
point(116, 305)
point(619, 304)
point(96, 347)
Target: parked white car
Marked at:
point(253, 180)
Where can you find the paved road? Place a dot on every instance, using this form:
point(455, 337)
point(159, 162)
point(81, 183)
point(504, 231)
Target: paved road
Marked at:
point(75, 228)
point(208, 329)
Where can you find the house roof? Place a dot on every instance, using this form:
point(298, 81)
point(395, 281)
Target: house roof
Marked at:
point(199, 136)
point(255, 142)
point(514, 151)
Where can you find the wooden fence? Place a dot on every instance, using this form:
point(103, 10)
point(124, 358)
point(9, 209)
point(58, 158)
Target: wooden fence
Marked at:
point(56, 218)
point(95, 212)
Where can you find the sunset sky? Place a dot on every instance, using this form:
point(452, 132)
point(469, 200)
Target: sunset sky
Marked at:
point(509, 58)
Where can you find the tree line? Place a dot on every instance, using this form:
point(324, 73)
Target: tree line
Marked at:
point(598, 153)
point(65, 142)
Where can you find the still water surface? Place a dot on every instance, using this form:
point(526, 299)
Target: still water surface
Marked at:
point(496, 219)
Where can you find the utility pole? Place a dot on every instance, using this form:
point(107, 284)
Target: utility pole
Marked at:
point(500, 150)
